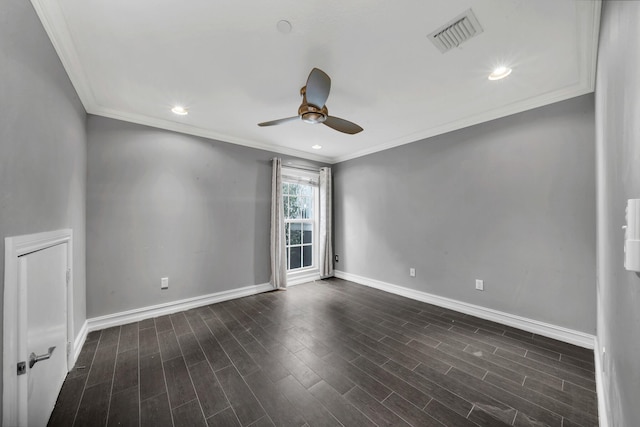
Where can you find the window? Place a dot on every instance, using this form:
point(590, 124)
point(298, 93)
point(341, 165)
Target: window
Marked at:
point(299, 198)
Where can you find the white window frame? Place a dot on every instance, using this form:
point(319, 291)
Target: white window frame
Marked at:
point(312, 272)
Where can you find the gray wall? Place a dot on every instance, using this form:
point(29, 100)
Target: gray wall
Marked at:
point(163, 204)
point(511, 201)
point(42, 141)
point(618, 170)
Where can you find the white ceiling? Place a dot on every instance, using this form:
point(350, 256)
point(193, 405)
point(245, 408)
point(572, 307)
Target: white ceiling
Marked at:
point(228, 64)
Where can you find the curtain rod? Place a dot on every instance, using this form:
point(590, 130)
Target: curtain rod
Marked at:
point(301, 167)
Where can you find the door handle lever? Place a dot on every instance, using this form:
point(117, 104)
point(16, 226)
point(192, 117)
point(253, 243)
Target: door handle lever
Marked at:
point(33, 358)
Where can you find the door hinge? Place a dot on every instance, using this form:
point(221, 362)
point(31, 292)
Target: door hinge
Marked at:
point(68, 275)
point(22, 368)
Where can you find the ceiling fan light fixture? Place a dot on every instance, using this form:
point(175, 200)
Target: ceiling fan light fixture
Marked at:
point(313, 117)
point(179, 110)
point(312, 114)
point(500, 73)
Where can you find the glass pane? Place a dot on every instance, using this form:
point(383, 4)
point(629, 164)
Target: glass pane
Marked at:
point(294, 207)
point(294, 189)
point(308, 211)
point(307, 190)
point(285, 188)
point(286, 234)
point(285, 200)
point(307, 257)
point(287, 258)
point(303, 204)
point(295, 230)
point(296, 255)
point(307, 231)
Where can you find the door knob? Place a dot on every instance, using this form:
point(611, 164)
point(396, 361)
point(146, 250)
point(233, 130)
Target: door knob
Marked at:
point(33, 358)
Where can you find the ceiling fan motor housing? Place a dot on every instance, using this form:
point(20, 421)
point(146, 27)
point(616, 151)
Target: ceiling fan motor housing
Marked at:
point(309, 113)
point(312, 114)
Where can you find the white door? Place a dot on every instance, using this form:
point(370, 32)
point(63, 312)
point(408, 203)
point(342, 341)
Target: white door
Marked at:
point(44, 276)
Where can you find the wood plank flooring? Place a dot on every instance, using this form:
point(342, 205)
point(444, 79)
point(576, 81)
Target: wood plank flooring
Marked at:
point(327, 353)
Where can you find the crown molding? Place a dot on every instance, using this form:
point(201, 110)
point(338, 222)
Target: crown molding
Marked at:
point(508, 110)
point(58, 31)
point(197, 131)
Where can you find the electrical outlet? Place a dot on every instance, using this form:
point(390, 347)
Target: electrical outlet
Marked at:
point(336, 258)
point(480, 285)
point(412, 272)
point(164, 283)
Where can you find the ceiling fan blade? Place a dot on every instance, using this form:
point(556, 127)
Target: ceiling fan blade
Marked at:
point(342, 125)
point(318, 87)
point(279, 121)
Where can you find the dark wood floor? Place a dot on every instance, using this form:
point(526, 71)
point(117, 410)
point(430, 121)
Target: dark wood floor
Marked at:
point(323, 354)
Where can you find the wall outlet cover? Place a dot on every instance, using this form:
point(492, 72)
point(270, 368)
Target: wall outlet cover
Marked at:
point(480, 285)
point(164, 283)
point(412, 272)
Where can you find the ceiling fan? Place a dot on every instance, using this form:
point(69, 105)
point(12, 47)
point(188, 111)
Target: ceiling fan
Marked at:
point(313, 109)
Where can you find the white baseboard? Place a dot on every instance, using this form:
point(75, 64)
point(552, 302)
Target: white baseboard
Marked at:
point(300, 279)
point(135, 315)
point(545, 329)
point(603, 413)
point(79, 341)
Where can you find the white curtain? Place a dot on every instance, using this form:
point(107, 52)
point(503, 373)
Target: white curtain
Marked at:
point(278, 248)
point(325, 213)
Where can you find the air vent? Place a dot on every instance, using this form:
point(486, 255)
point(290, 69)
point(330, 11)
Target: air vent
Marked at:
point(455, 32)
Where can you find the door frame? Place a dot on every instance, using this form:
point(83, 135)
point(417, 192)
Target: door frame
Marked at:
point(14, 387)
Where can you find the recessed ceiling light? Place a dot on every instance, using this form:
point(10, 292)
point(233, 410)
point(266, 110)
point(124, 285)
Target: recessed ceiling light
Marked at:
point(284, 26)
point(179, 110)
point(316, 147)
point(500, 73)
